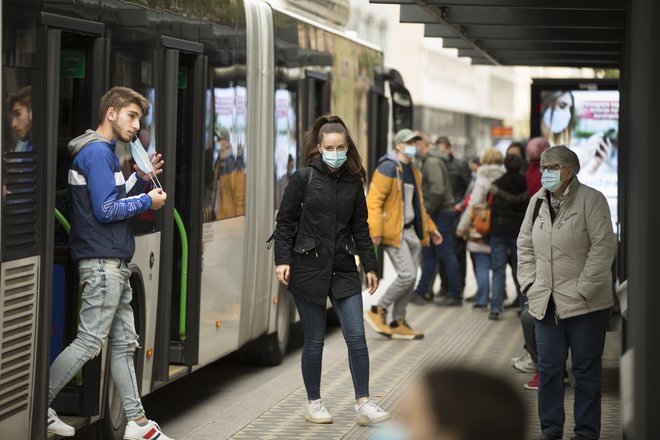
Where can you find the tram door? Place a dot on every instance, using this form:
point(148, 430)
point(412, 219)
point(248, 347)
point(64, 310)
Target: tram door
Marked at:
point(180, 275)
point(76, 73)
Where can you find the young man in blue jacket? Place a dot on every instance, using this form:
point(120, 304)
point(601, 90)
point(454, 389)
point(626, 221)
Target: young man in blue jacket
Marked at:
point(102, 243)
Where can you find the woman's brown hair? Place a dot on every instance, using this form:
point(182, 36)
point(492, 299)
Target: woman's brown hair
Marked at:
point(333, 124)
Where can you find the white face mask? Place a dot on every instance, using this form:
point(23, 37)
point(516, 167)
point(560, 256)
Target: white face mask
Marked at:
point(558, 120)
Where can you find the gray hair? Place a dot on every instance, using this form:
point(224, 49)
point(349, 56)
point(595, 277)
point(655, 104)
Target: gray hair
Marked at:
point(562, 155)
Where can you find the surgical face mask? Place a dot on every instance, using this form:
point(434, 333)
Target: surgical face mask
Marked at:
point(410, 151)
point(558, 120)
point(390, 431)
point(551, 180)
point(334, 159)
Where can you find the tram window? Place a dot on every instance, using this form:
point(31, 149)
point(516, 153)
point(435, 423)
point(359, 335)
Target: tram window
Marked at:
point(228, 160)
point(286, 144)
point(133, 66)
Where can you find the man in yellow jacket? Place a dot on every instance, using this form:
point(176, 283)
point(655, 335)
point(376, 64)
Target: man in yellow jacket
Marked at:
point(398, 222)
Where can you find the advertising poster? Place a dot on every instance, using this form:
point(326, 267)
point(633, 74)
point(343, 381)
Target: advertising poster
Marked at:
point(286, 145)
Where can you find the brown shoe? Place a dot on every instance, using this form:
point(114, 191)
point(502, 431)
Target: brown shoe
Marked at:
point(376, 317)
point(402, 330)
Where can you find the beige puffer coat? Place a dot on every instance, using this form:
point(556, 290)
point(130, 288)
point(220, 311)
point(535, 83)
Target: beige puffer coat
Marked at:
point(570, 258)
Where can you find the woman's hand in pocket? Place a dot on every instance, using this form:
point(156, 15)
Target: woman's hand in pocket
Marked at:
point(283, 271)
point(372, 280)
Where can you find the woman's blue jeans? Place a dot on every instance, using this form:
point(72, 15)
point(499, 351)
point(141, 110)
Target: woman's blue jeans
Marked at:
point(503, 250)
point(481, 262)
point(313, 318)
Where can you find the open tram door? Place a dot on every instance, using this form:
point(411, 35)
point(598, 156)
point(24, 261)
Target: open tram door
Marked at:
point(75, 79)
point(177, 326)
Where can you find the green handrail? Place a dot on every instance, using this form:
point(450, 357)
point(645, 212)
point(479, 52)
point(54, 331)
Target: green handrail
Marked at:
point(67, 228)
point(183, 300)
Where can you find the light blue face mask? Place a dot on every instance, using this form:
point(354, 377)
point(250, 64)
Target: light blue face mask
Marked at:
point(141, 158)
point(334, 159)
point(551, 180)
point(410, 151)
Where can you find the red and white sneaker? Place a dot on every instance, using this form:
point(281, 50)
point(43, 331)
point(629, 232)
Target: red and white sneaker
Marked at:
point(533, 383)
point(150, 431)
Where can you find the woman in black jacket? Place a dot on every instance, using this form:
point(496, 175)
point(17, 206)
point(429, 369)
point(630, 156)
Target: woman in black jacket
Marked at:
point(321, 226)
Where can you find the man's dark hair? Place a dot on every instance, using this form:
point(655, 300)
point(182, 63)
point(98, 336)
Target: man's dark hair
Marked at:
point(443, 140)
point(22, 96)
point(475, 405)
point(513, 163)
point(120, 97)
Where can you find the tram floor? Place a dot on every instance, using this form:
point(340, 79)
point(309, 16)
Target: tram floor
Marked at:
point(230, 400)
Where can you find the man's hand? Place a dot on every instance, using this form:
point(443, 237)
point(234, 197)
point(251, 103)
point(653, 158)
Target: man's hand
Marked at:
point(158, 198)
point(283, 271)
point(157, 164)
point(377, 240)
point(372, 280)
point(436, 237)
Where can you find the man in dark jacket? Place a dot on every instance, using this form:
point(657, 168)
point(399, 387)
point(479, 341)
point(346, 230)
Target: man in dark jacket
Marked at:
point(508, 209)
point(102, 243)
point(439, 203)
point(460, 177)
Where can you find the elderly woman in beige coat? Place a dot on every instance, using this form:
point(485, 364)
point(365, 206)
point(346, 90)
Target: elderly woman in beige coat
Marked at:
point(565, 251)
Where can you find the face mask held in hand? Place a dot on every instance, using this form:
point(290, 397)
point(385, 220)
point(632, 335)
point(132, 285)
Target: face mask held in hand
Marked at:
point(551, 180)
point(334, 159)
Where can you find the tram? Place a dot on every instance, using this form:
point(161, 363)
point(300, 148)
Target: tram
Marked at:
point(232, 85)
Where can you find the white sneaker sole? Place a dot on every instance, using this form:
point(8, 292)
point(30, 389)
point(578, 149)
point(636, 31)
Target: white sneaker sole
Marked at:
point(62, 433)
point(366, 421)
point(374, 327)
point(406, 337)
point(318, 420)
point(524, 370)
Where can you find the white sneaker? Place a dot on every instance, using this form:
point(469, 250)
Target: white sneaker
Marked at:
point(150, 431)
point(517, 358)
point(56, 426)
point(317, 412)
point(368, 413)
point(525, 364)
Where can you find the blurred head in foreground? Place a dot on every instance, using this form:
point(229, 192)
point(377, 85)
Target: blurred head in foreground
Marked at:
point(458, 404)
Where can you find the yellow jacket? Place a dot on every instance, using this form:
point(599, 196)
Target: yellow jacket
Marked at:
point(385, 203)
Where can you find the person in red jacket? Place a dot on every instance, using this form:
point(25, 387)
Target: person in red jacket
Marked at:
point(535, 147)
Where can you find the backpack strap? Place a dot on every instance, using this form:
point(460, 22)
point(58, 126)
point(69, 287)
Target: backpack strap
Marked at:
point(537, 209)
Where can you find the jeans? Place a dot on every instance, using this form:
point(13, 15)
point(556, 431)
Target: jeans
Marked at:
point(443, 252)
point(105, 311)
point(405, 260)
point(528, 323)
point(481, 262)
point(584, 335)
point(503, 250)
point(313, 317)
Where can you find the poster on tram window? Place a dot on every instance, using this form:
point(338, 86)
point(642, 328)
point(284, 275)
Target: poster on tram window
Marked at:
point(286, 144)
point(587, 121)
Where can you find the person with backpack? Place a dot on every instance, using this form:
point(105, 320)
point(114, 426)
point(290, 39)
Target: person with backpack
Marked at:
point(321, 227)
point(509, 204)
point(565, 257)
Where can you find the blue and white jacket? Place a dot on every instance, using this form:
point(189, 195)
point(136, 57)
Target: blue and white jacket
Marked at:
point(103, 202)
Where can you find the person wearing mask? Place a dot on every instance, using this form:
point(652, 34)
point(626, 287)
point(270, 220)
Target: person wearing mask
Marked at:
point(321, 226)
point(565, 254)
point(398, 222)
point(458, 404)
point(460, 176)
point(490, 170)
point(439, 203)
point(535, 147)
point(509, 204)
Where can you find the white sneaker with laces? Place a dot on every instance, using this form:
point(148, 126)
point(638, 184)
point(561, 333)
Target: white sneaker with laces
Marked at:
point(517, 358)
point(368, 413)
point(317, 412)
point(150, 431)
point(525, 364)
point(56, 426)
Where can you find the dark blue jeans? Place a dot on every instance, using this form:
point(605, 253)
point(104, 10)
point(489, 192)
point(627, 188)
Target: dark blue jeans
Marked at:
point(313, 317)
point(584, 335)
point(445, 253)
point(481, 263)
point(503, 250)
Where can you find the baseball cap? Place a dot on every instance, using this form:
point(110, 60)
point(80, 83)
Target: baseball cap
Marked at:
point(405, 135)
point(223, 133)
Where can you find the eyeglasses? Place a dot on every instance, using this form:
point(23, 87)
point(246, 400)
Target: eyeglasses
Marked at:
point(554, 167)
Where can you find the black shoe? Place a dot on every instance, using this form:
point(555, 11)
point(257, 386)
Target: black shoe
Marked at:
point(494, 316)
point(428, 296)
point(479, 308)
point(471, 299)
point(545, 436)
point(417, 299)
point(580, 437)
point(448, 301)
